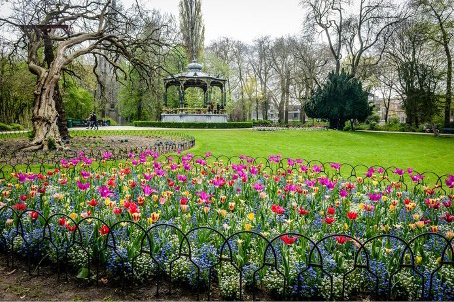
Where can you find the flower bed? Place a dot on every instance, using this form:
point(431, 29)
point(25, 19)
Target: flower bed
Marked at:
point(289, 227)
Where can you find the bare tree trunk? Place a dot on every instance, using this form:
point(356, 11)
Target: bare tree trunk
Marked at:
point(287, 99)
point(45, 115)
point(61, 121)
point(448, 88)
point(302, 114)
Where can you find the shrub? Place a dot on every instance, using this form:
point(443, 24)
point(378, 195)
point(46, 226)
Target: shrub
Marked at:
point(16, 127)
point(5, 127)
point(193, 125)
point(373, 118)
point(262, 123)
point(393, 120)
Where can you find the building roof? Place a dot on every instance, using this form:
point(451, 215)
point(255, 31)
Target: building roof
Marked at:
point(194, 77)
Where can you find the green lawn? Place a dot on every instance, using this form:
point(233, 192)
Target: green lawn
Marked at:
point(422, 152)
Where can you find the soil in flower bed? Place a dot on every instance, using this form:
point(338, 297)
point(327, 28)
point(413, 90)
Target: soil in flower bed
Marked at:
point(16, 284)
point(90, 145)
point(98, 143)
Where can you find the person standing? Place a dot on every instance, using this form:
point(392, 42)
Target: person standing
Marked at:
point(89, 121)
point(93, 121)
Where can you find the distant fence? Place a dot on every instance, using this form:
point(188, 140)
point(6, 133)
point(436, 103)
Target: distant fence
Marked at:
point(12, 161)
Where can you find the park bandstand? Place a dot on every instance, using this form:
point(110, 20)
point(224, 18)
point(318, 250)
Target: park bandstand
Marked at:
point(213, 111)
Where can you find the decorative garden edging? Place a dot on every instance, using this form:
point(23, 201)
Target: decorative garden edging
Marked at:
point(268, 227)
point(110, 238)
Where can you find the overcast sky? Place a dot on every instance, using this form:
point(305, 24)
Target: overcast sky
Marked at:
point(244, 20)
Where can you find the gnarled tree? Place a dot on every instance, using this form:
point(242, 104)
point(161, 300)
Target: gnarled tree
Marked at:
point(89, 31)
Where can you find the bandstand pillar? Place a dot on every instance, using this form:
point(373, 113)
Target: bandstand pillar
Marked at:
point(181, 95)
point(164, 98)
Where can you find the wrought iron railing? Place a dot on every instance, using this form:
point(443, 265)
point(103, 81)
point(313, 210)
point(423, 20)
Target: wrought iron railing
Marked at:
point(16, 225)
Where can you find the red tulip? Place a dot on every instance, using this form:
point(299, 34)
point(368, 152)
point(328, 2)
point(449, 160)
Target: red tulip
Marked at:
point(33, 215)
point(277, 209)
point(23, 197)
point(342, 239)
point(303, 211)
point(71, 228)
point(117, 211)
point(448, 217)
point(104, 230)
point(331, 211)
point(352, 215)
point(19, 207)
point(92, 202)
point(329, 220)
point(62, 221)
point(288, 240)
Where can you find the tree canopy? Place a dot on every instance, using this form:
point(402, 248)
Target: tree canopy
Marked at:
point(340, 99)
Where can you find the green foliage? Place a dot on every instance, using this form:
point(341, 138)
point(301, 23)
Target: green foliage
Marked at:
point(340, 99)
point(5, 127)
point(11, 127)
point(16, 91)
point(193, 125)
point(112, 122)
point(77, 101)
point(194, 97)
point(422, 103)
point(262, 123)
point(373, 118)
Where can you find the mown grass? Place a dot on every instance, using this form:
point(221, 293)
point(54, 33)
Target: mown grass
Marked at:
point(422, 152)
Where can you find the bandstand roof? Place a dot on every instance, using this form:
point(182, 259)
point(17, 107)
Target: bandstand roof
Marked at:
point(194, 77)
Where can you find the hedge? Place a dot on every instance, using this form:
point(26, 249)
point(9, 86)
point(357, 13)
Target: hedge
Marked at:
point(193, 125)
point(11, 127)
point(262, 123)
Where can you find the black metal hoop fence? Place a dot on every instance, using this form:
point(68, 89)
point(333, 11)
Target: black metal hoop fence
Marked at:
point(40, 242)
point(15, 162)
point(70, 243)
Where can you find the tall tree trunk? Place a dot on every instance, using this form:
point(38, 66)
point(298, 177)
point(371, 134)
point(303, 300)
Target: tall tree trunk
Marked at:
point(139, 109)
point(448, 88)
point(45, 114)
point(61, 120)
point(446, 42)
point(302, 114)
point(286, 95)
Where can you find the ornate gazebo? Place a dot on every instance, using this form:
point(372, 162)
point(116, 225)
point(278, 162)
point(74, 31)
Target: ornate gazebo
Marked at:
point(194, 77)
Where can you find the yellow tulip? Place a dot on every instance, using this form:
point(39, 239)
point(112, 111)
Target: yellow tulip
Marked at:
point(418, 260)
point(251, 216)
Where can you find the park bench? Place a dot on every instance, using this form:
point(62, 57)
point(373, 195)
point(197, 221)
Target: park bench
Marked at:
point(448, 130)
